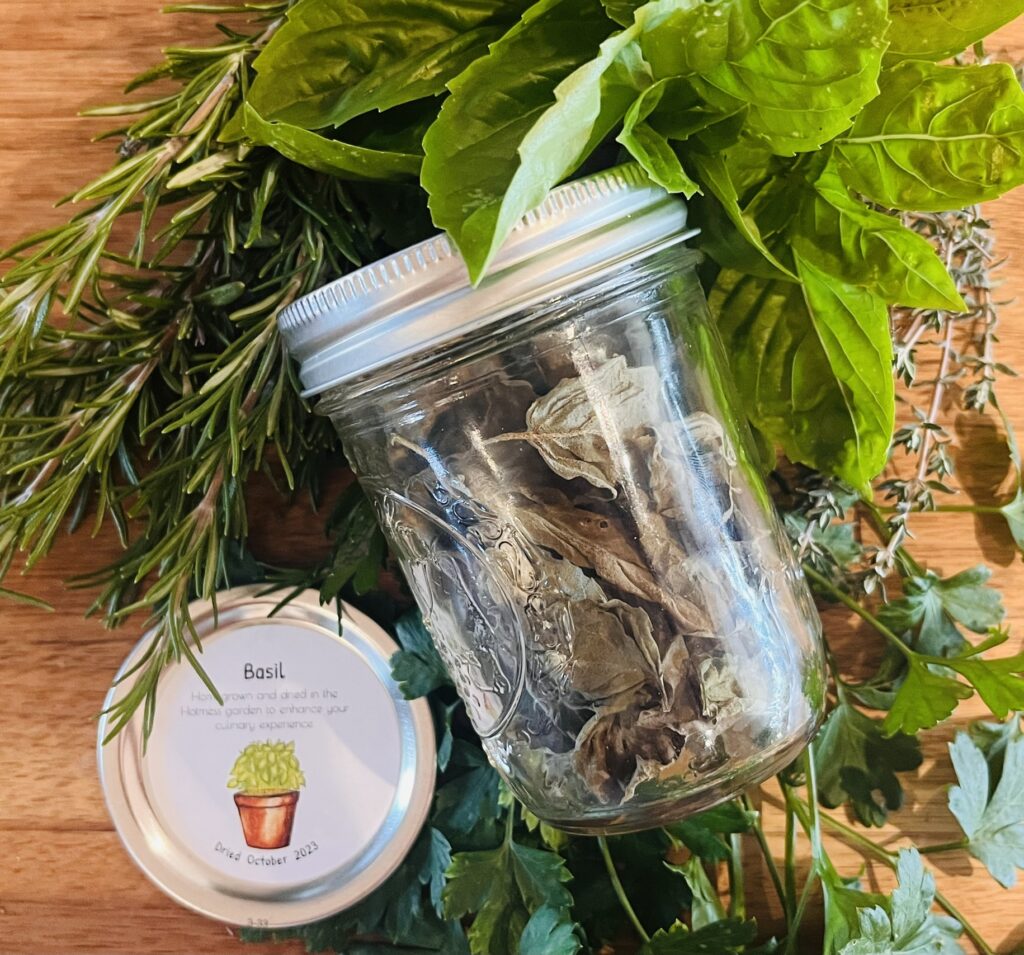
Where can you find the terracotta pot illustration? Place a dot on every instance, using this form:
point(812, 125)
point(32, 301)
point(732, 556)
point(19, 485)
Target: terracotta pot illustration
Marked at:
point(267, 820)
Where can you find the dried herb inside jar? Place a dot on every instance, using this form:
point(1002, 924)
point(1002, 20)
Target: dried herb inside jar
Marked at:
point(609, 520)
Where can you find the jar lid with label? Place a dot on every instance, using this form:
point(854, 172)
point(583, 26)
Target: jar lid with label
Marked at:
point(299, 794)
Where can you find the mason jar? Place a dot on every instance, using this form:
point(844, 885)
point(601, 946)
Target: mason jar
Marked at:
point(557, 460)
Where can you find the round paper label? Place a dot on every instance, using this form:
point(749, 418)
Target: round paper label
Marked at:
point(295, 774)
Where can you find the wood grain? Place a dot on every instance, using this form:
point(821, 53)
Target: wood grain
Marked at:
point(65, 883)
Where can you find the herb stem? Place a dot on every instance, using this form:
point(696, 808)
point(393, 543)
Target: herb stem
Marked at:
point(737, 889)
point(953, 509)
point(792, 835)
point(769, 860)
point(620, 892)
point(825, 584)
point(940, 387)
point(801, 909)
point(969, 930)
point(952, 846)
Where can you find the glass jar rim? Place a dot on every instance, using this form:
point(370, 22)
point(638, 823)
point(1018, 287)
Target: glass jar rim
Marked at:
point(420, 298)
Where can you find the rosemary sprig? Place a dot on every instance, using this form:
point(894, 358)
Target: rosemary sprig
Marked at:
point(147, 384)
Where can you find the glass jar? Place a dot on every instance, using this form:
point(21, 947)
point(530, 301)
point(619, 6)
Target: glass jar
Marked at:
point(557, 461)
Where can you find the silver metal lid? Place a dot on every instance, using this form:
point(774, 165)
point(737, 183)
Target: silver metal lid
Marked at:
point(205, 813)
point(421, 297)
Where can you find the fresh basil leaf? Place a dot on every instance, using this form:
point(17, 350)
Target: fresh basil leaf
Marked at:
point(802, 69)
point(854, 761)
point(992, 817)
point(714, 173)
point(845, 238)
point(332, 61)
point(938, 137)
point(679, 113)
point(621, 11)
point(694, 37)
point(813, 363)
point(486, 166)
point(550, 931)
point(479, 170)
point(650, 148)
point(327, 155)
point(904, 924)
point(937, 29)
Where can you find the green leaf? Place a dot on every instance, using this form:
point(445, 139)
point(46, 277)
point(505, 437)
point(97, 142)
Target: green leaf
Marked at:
point(905, 924)
point(715, 173)
point(467, 805)
point(333, 61)
point(1013, 513)
point(813, 363)
point(925, 699)
point(657, 895)
point(701, 834)
point(502, 888)
point(327, 155)
point(843, 237)
point(803, 69)
point(417, 667)
point(998, 682)
point(938, 137)
point(692, 38)
point(718, 938)
point(991, 818)
point(993, 738)
point(650, 148)
point(854, 761)
point(706, 907)
point(931, 607)
point(937, 29)
point(27, 599)
point(477, 169)
point(550, 931)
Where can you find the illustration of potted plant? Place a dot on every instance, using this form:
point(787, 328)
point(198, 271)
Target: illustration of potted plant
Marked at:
point(268, 779)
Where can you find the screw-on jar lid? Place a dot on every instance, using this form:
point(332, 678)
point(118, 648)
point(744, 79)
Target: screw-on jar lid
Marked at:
point(421, 297)
point(300, 794)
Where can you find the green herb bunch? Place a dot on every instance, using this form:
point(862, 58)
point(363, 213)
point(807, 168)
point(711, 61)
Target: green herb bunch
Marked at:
point(143, 384)
point(267, 767)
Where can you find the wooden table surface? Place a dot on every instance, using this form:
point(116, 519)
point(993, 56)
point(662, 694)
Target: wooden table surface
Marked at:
point(66, 885)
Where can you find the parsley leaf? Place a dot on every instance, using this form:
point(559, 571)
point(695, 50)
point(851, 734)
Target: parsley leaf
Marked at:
point(991, 818)
point(466, 807)
point(854, 760)
point(701, 833)
point(550, 931)
point(932, 606)
point(925, 699)
point(705, 908)
point(502, 888)
point(417, 667)
point(904, 924)
point(718, 938)
point(640, 861)
point(929, 694)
